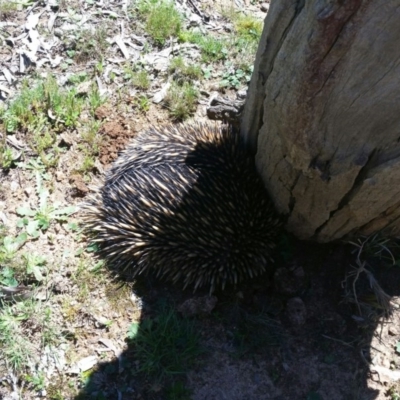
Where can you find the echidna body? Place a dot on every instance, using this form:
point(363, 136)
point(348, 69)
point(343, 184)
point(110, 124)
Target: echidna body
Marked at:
point(185, 203)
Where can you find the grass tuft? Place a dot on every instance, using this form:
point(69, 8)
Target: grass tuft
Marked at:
point(165, 346)
point(162, 19)
point(181, 100)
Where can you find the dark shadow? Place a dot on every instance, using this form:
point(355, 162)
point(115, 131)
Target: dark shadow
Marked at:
point(318, 359)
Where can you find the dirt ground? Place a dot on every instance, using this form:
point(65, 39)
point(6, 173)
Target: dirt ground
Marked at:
point(313, 330)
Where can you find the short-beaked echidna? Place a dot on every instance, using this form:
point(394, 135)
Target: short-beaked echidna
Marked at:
point(185, 202)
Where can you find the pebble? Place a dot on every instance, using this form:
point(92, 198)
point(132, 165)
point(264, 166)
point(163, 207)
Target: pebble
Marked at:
point(296, 311)
point(264, 7)
point(14, 186)
point(289, 280)
point(393, 331)
point(198, 305)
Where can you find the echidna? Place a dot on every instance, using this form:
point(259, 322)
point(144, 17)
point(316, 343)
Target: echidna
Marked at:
point(185, 202)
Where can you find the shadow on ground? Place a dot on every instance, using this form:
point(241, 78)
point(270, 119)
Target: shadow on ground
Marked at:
point(295, 336)
point(248, 346)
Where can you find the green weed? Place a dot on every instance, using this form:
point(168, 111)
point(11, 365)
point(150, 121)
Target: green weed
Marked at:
point(39, 218)
point(138, 76)
point(7, 9)
point(90, 135)
point(90, 44)
point(178, 391)
point(181, 100)
point(212, 48)
point(44, 105)
point(166, 345)
point(248, 27)
point(234, 77)
point(95, 100)
point(88, 162)
point(162, 20)
point(142, 103)
point(141, 80)
point(6, 156)
point(183, 70)
point(9, 247)
point(25, 329)
point(37, 166)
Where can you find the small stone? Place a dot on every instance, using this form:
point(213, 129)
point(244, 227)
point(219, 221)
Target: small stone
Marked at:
point(241, 94)
point(14, 186)
point(66, 139)
point(289, 280)
point(198, 305)
point(296, 311)
point(60, 176)
point(83, 365)
point(264, 7)
point(195, 20)
point(393, 331)
point(100, 321)
point(58, 32)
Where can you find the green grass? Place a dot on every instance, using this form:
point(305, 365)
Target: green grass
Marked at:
point(142, 103)
point(6, 156)
point(181, 100)
point(212, 48)
point(89, 45)
point(7, 9)
point(140, 79)
point(162, 19)
point(39, 218)
point(42, 106)
point(185, 71)
point(166, 345)
point(25, 329)
point(89, 135)
point(248, 27)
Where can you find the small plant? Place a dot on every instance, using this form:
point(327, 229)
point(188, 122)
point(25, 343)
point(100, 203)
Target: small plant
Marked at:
point(39, 218)
point(138, 76)
point(248, 27)
point(90, 44)
point(183, 70)
point(142, 103)
point(22, 326)
point(78, 78)
point(234, 77)
point(141, 79)
point(43, 140)
point(7, 9)
point(162, 20)
point(181, 100)
point(178, 391)
point(37, 381)
point(87, 163)
point(6, 157)
point(90, 135)
point(9, 247)
point(34, 265)
point(44, 105)
point(95, 100)
point(212, 48)
point(394, 393)
point(37, 166)
point(166, 345)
